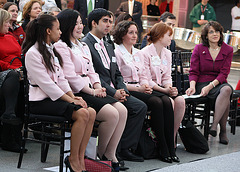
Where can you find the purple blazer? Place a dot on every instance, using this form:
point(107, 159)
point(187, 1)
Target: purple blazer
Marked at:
point(204, 69)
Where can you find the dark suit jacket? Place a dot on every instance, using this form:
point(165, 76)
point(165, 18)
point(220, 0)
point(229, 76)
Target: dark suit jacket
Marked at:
point(137, 12)
point(81, 7)
point(106, 76)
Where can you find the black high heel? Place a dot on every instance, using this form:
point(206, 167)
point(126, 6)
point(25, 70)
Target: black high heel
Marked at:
point(68, 165)
point(115, 165)
point(213, 133)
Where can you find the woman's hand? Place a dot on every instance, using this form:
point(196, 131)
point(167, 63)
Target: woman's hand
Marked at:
point(205, 90)
point(100, 92)
point(145, 89)
point(190, 91)
point(173, 92)
point(79, 101)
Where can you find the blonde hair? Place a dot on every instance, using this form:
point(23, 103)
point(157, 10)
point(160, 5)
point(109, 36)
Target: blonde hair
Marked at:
point(28, 7)
point(4, 16)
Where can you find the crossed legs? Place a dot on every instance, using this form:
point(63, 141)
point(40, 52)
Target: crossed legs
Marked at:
point(222, 106)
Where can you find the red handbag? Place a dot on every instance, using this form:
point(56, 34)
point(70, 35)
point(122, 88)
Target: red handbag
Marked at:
point(97, 165)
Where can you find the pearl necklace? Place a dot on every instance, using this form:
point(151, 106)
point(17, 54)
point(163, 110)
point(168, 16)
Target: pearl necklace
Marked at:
point(215, 49)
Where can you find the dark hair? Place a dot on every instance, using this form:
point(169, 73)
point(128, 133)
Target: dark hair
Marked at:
point(166, 15)
point(37, 32)
point(67, 19)
point(123, 16)
point(217, 27)
point(96, 15)
point(158, 31)
point(8, 4)
point(236, 2)
point(121, 30)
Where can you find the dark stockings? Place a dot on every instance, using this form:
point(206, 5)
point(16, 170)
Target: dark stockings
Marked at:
point(162, 122)
point(10, 89)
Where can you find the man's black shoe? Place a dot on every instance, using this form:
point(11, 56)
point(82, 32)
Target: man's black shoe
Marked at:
point(129, 156)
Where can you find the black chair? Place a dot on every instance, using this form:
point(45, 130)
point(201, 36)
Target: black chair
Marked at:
point(234, 112)
point(50, 129)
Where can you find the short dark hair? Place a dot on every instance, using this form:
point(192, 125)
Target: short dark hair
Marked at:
point(217, 27)
point(96, 15)
point(67, 19)
point(8, 4)
point(166, 15)
point(123, 16)
point(236, 2)
point(121, 30)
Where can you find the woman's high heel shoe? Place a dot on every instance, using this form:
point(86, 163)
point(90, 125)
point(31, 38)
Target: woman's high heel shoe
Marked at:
point(213, 133)
point(68, 165)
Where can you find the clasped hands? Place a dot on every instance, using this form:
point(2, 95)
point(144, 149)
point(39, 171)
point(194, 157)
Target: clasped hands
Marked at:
point(173, 91)
point(121, 95)
point(100, 92)
point(145, 89)
point(79, 101)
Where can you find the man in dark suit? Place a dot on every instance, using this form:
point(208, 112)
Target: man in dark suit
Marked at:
point(135, 12)
point(105, 64)
point(82, 7)
point(170, 20)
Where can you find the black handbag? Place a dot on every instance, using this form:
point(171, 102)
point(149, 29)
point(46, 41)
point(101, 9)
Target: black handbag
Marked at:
point(192, 138)
point(147, 143)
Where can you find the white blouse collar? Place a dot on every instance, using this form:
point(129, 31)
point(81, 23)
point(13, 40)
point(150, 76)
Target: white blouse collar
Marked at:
point(125, 51)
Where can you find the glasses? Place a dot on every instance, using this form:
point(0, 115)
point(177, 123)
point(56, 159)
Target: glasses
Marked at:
point(212, 32)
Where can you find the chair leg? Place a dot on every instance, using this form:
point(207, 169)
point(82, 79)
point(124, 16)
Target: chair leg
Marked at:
point(207, 119)
point(23, 143)
point(62, 140)
point(44, 152)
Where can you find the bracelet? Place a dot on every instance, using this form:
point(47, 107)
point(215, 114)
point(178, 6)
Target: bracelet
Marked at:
point(213, 84)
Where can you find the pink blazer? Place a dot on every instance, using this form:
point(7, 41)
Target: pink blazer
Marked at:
point(131, 66)
point(50, 84)
point(158, 69)
point(76, 62)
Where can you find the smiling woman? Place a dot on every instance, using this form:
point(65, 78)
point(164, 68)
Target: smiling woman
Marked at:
point(14, 29)
point(31, 10)
point(210, 66)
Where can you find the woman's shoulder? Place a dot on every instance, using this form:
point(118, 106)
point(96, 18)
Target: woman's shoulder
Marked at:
point(227, 48)
point(60, 43)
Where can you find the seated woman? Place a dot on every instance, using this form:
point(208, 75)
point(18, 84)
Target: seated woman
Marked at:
point(15, 29)
point(158, 62)
point(130, 62)
point(31, 10)
point(78, 70)
point(51, 93)
point(10, 53)
point(209, 69)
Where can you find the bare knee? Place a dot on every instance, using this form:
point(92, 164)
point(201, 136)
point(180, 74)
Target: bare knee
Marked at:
point(92, 114)
point(82, 115)
point(180, 101)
